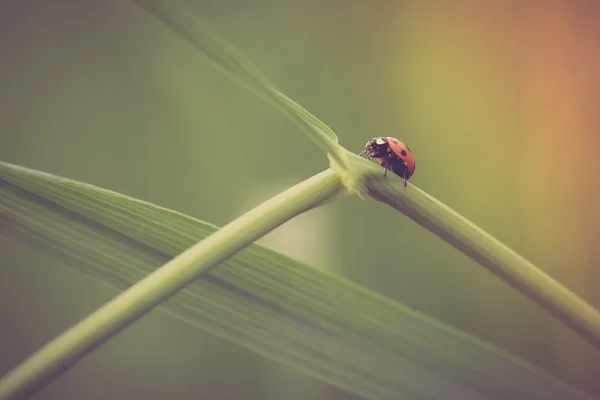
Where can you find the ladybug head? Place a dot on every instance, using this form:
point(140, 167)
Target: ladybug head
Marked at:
point(376, 147)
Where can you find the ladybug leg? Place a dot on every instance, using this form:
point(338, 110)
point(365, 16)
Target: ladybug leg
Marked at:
point(385, 169)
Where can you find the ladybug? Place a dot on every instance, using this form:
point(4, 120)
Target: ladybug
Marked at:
point(392, 154)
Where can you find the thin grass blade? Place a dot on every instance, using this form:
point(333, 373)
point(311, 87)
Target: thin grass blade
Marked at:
point(185, 21)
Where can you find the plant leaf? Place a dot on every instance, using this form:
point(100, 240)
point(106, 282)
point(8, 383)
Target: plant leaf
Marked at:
point(316, 322)
point(186, 22)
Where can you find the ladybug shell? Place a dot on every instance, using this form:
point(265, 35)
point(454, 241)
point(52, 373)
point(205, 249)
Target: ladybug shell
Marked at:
point(403, 152)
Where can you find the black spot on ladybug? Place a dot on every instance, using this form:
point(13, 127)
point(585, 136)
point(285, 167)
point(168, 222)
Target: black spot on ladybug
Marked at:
point(403, 152)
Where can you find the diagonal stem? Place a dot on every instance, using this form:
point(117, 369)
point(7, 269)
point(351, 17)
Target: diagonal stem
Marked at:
point(496, 257)
point(66, 350)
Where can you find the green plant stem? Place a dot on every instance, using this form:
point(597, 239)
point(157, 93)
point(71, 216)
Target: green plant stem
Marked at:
point(477, 244)
point(64, 351)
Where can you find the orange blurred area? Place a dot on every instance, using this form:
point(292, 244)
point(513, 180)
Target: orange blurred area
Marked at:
point(539, 66)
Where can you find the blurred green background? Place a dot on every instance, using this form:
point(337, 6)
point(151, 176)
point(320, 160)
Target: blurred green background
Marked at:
point(498, 102)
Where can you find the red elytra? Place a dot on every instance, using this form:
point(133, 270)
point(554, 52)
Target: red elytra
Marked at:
point(403, 152)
